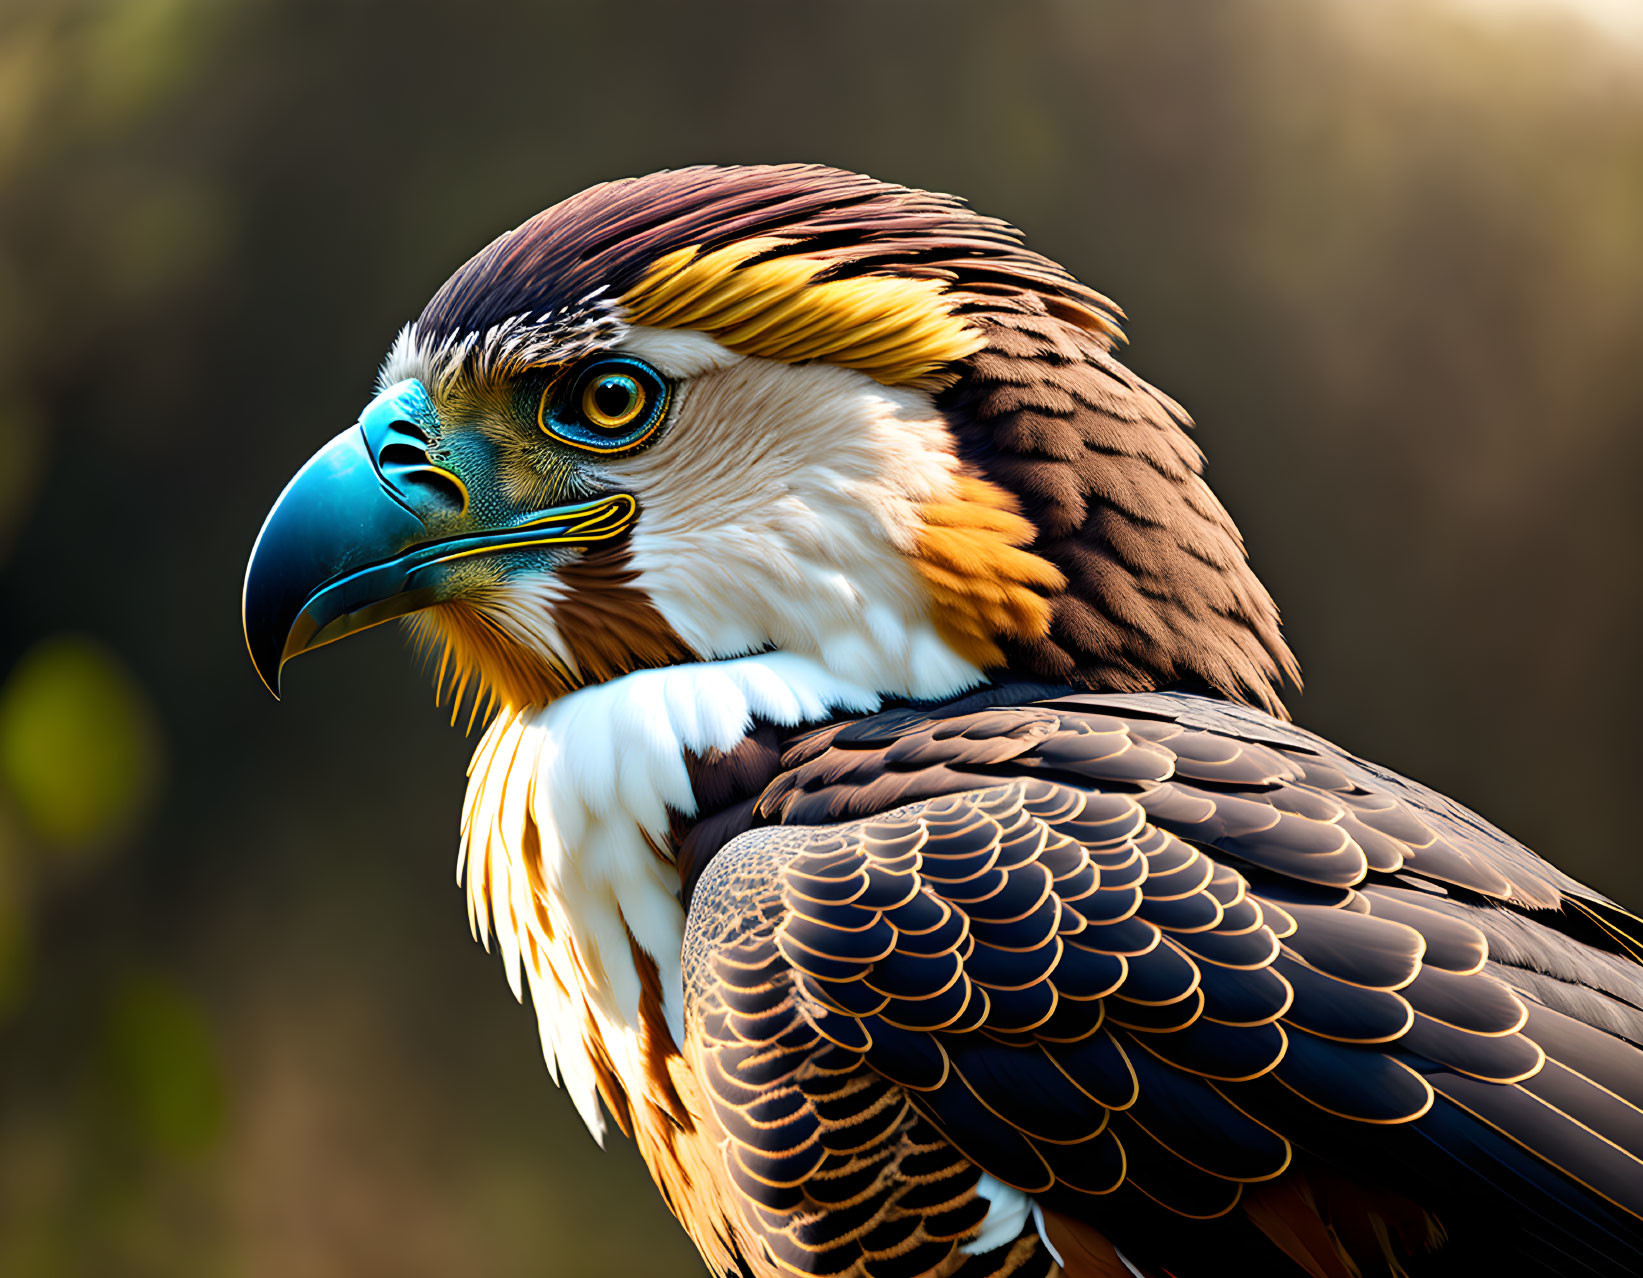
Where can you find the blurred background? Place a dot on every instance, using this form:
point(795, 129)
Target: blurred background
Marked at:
point(1390, 255)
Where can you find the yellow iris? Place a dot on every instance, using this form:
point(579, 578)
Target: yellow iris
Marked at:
point(613, 401)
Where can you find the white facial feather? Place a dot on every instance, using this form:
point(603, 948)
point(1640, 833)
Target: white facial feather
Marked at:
point(778, 509)
point(676, 353)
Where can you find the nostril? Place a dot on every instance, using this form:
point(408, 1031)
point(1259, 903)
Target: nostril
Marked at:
point(408, 469)
point(402, 453)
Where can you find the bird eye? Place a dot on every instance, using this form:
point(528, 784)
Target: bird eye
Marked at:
point(612, 401)
point(613, 405)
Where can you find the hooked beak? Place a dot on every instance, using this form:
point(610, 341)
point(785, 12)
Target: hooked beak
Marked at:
point(369, 529)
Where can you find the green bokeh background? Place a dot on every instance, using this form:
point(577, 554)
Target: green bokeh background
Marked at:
point(1389, 254)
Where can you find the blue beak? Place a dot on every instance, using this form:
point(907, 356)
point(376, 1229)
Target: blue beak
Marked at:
point(369, 529)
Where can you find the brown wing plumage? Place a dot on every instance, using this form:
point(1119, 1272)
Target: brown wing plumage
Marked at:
point(835, 1170)
point(1193, 978)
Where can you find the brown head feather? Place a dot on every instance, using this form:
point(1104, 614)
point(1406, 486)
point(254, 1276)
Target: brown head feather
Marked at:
point(1158, 592)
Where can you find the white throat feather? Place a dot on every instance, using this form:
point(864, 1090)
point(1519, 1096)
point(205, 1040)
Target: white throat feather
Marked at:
point(566, 814)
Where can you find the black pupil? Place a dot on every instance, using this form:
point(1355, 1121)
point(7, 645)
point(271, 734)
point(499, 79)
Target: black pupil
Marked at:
point(615, 397)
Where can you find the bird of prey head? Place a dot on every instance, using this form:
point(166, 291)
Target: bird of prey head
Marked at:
point(715, 412)
point(885, 797)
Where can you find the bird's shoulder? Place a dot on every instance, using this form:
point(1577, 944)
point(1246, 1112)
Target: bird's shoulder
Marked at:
point(1204, 767)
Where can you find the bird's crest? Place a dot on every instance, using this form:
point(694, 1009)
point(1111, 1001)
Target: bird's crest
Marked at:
point(791, 262)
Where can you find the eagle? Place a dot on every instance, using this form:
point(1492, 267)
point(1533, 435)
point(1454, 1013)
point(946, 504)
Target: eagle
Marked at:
point(886, 798)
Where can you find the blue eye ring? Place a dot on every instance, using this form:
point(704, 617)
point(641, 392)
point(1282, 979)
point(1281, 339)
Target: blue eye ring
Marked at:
point(613, 405)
